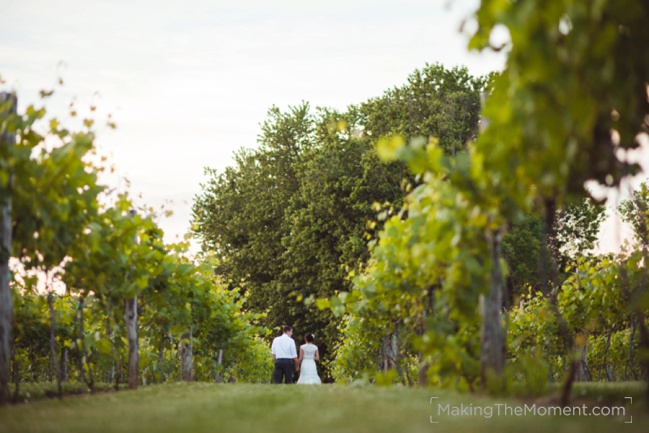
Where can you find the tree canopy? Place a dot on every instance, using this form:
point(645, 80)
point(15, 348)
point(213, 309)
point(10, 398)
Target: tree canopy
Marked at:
point(292, 217)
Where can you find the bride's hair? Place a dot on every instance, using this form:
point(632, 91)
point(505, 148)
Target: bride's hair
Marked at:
point(309, 337)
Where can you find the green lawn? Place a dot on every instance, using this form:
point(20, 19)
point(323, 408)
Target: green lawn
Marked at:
point(202, 407)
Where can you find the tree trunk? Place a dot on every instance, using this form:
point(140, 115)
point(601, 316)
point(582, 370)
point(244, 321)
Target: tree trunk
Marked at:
point(408, 378)
point(90, 381)
point(118, 371)
point(583, 374)
point(386, 353)
point(394, 350)
point(32, 361)
point(492, 337)
point(219, 374)
point(79, 334)
point(567, 383)
point(186, 356)
point(161, 357)
point(130, 317)
point(549, 253)
point(64, 364)
point(607, 366)
point(422, 373)
point(6, 305)
point(16, 372)
point(634, 371)
point(573, 364)
point(54, 352)
point(111, 374)
point(113, 352)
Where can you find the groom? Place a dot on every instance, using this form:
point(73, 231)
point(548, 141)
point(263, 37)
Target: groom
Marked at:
point(284, 353)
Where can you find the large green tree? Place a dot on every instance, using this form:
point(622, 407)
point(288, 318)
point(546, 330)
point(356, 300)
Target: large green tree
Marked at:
point(435, 102)
point(292, 218)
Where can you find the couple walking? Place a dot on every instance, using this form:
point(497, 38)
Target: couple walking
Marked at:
point(284, 353)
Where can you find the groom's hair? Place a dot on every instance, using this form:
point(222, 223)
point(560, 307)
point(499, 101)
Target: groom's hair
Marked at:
point(288, 328)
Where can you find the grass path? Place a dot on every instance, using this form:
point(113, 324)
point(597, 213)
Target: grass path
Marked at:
point(203, 407)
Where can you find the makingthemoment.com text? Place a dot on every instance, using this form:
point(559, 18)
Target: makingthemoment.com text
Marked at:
point(504, 409)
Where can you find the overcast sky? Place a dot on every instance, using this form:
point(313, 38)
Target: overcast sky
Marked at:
point(188, 82)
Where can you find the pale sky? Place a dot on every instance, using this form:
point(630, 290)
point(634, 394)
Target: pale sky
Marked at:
point(189, 82)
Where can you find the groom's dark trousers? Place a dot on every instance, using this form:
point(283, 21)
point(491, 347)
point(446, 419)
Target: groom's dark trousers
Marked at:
point(283, 370)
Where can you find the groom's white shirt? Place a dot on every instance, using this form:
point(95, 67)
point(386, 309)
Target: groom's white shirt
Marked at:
point(283, 347)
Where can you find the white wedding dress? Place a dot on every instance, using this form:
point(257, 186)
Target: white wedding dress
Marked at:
point(308, 371)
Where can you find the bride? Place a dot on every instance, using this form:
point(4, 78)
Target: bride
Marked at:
point(306, 362)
